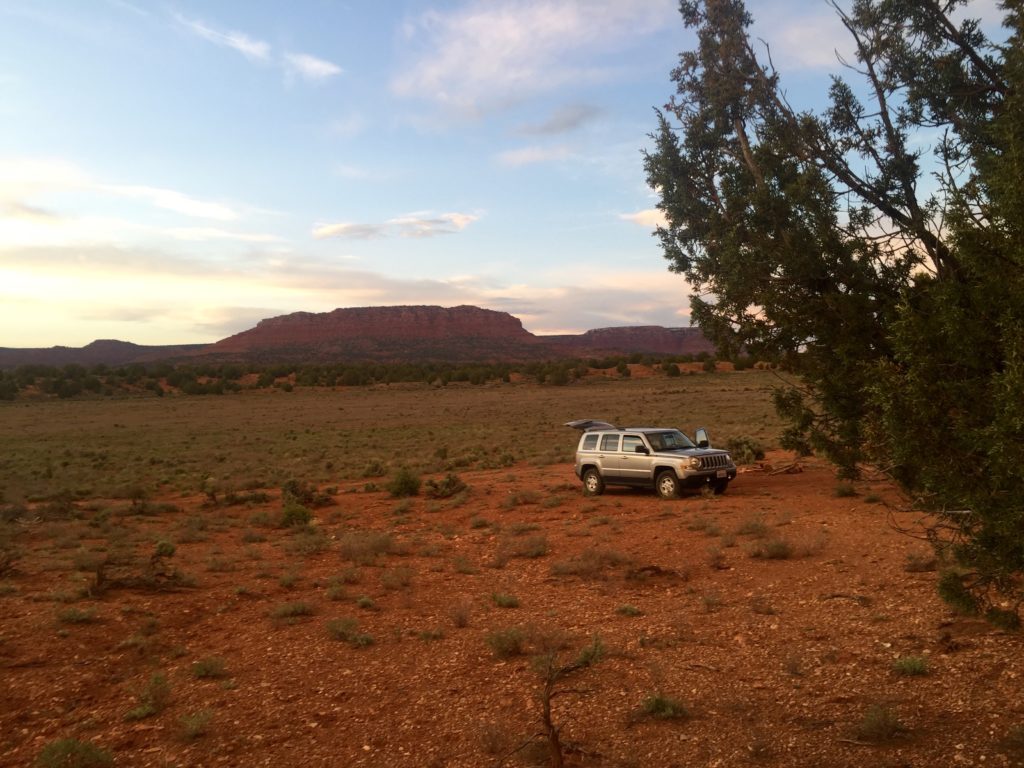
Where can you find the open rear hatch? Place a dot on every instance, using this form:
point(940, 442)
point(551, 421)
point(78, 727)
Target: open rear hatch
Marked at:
point(585, 425)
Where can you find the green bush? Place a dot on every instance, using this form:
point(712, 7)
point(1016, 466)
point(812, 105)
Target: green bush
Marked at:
point(404, 483)
point(744, 450)
point(72, 753)
point(663, 707)
point(446, 488)
point(152, 699)
point(506, 643)
point(294, 515)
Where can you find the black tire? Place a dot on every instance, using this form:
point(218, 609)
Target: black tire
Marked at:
point(720, 487)
point(593, 483)
point(667, 484)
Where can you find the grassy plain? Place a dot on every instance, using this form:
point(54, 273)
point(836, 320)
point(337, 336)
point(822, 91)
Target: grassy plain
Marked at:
point(782, 624)
point(159, 446)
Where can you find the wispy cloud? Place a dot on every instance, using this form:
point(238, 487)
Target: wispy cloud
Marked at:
point(650, 218)
point(295, 64)
point(310, 67)
point(249, 47)
point(414, 225)
point(349, 231)
point(486, 55)
point(170, 200)
point(563, 120)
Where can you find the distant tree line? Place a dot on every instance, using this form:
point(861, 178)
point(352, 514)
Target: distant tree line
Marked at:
point(157, 379)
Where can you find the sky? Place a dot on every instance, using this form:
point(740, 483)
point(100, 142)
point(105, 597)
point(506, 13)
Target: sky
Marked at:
point(173, 172)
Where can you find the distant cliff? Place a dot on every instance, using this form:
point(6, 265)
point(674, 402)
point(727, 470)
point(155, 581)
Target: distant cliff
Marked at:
point(385, 334)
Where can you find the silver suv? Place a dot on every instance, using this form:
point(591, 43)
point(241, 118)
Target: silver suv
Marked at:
point(649, 457)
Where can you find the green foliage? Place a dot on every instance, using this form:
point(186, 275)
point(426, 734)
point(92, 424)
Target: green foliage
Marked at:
point(744, 450)
point(152, 699)
point(503, 600)
point(879, 724)
point(212, 667)
point(196, 725)
point(445, 488)
point(663, 707)
point(347, 631)
point(506, 643)
point(911, 666)
point(811, 242)
point(72, 753)
point(404, 482)
point(294, 515)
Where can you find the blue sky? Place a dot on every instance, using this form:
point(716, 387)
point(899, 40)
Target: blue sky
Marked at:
point(174, 172)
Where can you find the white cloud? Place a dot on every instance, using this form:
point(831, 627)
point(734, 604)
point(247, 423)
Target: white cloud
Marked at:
point(413, 225)
point(650, 218)
point(486, 54)
point(310, 67)
point(348, 230)
point(238, 41)
point(532, 155)
point(170, 200)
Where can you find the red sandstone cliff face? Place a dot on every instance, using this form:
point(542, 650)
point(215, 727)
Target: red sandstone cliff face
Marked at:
point(388, 333)
point(652, 339)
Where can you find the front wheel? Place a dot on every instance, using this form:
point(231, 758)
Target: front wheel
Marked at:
point(593, 484)
point(667, 484)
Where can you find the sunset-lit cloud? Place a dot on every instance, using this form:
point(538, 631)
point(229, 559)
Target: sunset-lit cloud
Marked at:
point(483, 54)
point(650, 218)
point(310, 67)
point(514, 158)
point(415, 225)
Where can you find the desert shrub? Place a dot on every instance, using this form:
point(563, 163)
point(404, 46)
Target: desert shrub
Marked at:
point(152, 699)
point(72, 753)
point(752, 526)
point(308, 541)
point(305, 494)
point(76, 616)
point(628, 610)
point(375, 468)
point(911, 666)
point(845, 491)
point(404, 482)
point(744, 450)
point(772, 549)
point(364, 547)
point(879, 724)
point(347, 630)
point(294, 515)
point(212, 667)
point(195, 725)
point(1003, 619)
point(663, 707)
point(289, 612)
point(529, 547)
point(397, 578)
point(503, 600)
point(445, 488)
point(460, 614)
point(506, 643)
point(590, 563)
point(366, 603)
point(519, 498)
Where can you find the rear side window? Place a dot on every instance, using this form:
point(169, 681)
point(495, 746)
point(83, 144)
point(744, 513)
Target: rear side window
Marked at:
point(589, 443)
point(630, 443)
point(610, 443)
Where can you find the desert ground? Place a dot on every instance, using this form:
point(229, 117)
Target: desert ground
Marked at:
point(160, 602)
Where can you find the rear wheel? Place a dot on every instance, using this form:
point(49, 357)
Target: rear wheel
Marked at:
point(593, 484)
point(667, 484)
point(720, 487)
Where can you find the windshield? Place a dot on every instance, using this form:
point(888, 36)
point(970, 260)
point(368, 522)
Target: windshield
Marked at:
point(669, 441)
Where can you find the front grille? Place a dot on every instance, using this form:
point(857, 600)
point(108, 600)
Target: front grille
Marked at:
point(714, 461)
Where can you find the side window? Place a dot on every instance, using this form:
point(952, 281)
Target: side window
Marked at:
point(610, 443)
point(589, 443)
point(630, 443)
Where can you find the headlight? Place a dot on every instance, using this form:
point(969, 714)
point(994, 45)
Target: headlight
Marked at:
point(693, 462)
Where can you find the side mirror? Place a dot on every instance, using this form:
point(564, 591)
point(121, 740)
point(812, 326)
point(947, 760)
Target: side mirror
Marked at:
point(702, 439)
point(642, 449)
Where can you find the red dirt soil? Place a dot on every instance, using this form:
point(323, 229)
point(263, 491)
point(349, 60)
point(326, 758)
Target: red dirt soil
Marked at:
point(775, 660)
